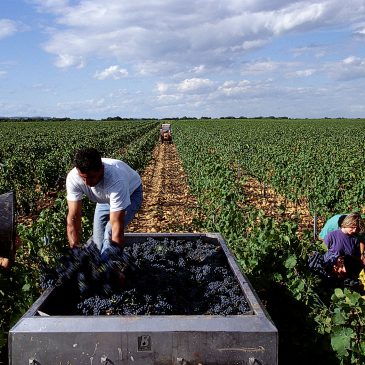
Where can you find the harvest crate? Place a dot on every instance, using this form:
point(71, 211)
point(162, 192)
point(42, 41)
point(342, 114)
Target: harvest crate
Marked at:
point(50, 334)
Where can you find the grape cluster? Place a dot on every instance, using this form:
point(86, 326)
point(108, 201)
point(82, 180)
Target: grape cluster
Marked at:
point(86, 269)
point(169, 277)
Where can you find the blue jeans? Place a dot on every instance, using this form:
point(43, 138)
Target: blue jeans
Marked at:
point(102, 229)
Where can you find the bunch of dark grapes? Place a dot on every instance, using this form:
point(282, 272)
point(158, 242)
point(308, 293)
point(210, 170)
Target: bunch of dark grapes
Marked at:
point(85, 268)
point(173, 277)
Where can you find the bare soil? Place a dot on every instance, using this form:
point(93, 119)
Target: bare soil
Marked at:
point(167, 203)
point(275, 205)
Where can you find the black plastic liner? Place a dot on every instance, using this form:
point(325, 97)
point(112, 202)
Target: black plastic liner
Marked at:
point(7, 225)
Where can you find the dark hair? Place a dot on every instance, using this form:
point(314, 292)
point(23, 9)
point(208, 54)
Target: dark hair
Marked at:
point(87, 159)
point(340, 220)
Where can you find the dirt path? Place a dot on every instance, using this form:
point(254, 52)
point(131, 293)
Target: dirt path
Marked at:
point(167, 205)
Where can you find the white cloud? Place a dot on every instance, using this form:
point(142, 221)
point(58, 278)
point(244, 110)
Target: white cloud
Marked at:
point(168, 99)
point(295, 15)
point(260, 66)
point(7, 28)
point(235, 87)
point(350, 68)
point(115, 72)
point(158, 67)
point(316, 50)
point(3, 73)
point(162, 87)
point(67, 60)
point(359, 30)
point(304, 73)
point(194, 85)
point(351, 60)
point(257, 43)
point(276, 70)
point(189, 32)
point(199, 69)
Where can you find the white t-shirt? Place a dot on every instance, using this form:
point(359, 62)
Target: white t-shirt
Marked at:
point(116, 187)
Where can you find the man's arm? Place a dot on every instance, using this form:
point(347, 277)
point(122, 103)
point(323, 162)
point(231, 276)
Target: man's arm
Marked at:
point(117, 223)
point(74, 223)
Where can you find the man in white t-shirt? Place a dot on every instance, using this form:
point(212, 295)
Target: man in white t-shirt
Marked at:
point(114, 186)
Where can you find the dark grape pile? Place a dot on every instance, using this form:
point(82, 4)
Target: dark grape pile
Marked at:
point(176, 277)
point(93, 273)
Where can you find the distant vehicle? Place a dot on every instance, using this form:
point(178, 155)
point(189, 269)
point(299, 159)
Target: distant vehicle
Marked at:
point(166, 133)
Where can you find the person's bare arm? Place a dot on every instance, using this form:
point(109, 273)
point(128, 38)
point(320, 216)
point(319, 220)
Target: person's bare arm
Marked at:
point(362, 252)
point(117, 223)
point(74, 223)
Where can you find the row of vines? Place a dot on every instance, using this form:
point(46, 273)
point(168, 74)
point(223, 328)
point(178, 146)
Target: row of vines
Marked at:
point(34, 160)
point(35, 157)
point(316, 163)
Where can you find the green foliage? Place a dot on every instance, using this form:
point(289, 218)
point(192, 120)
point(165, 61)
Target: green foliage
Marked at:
point(347, 326)
point(305, 163)
point(304, 160)
point(34, 167)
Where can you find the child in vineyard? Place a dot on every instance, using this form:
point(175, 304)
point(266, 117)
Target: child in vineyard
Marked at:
point(114, 186)
point(347, 240)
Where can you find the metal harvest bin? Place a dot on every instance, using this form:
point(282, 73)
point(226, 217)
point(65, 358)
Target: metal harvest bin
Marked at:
point(62, 338)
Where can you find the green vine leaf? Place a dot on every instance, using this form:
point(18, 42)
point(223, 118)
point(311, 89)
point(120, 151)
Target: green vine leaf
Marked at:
point(341, 341)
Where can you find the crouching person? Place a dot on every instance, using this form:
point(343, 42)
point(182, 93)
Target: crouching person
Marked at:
point(337, 270)
point(114, 186)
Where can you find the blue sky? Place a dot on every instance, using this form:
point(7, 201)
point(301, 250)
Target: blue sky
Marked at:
point(173, 58)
